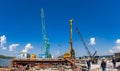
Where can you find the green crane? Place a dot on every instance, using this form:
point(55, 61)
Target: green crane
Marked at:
point(45, 39)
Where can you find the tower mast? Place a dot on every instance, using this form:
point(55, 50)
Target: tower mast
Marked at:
point(45, 39)
point(72, 52)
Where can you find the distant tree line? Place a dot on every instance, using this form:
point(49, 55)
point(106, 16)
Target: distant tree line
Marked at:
point(6, 57)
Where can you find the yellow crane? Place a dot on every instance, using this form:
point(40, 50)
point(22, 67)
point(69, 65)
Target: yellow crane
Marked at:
point(71, 52)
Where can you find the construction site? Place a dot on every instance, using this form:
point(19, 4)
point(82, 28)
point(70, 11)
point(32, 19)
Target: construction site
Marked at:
point(66, 62)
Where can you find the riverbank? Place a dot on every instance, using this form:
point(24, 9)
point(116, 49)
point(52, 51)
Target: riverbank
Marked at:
point(4, 62)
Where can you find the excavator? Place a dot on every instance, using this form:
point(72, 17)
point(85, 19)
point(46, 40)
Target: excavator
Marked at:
point(93, 57)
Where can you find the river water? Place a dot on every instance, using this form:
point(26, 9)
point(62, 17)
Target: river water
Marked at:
point(5, 62)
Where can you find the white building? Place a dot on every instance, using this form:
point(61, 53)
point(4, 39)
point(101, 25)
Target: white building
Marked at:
point(23, 55)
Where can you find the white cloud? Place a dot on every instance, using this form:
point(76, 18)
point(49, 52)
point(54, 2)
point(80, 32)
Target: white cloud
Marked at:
point(118, 42)
point(27, 47)
point(92, 41)
point(13, 46)
point(116, 48)
point(4, 48)
point(58, 52)
point(2, 41)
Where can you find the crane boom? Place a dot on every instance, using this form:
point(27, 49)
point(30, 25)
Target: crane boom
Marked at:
point(94, 53)
point(83, 42)
point(93, 58)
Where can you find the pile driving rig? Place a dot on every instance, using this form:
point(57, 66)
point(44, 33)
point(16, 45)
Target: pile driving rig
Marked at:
point(71, 52)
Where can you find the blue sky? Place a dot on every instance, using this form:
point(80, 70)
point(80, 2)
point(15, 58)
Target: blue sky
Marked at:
point(20, 22)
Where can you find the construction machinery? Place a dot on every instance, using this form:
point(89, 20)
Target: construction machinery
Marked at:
point(117, 56)
point(93, 58)
point(45, 39)
point(71, 52)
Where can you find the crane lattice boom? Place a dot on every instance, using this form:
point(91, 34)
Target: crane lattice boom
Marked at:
point(83, 42)
point(45, 39)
